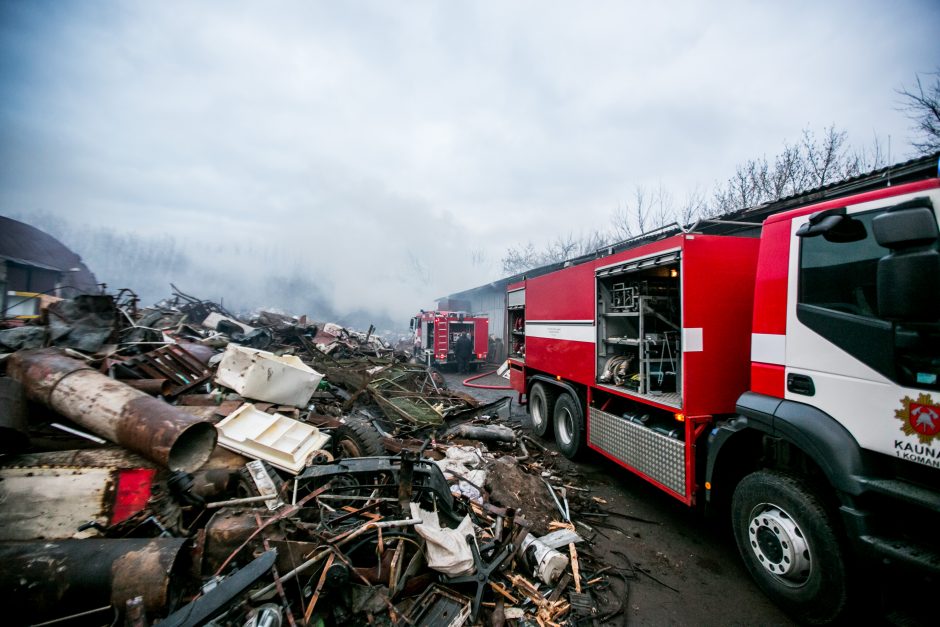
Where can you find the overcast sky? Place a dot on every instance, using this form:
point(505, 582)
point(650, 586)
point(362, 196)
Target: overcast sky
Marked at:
point(383, 143)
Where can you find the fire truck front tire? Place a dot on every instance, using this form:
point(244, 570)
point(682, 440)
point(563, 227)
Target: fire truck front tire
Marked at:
point(542, 408)
point(785, 535)
point(569, 426)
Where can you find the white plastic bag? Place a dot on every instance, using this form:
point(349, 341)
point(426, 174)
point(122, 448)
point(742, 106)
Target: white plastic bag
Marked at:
point(447, 549)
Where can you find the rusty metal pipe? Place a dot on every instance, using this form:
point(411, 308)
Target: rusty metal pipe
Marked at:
point(109, 408)
point(13, 428)
point(44, 580)
point(154, 387)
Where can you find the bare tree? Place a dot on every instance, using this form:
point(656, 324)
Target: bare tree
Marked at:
point(562, 248)
point(827, 158)
point(478, 257)
point(521, 258)
point(693, 209)
point(789, 173)
point(746, 188)
point(417, 270)
point(875, 156)
point(649, 211)
point(921, 104)
point(813, 162)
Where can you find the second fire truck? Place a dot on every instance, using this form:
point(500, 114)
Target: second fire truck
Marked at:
point(436, 333)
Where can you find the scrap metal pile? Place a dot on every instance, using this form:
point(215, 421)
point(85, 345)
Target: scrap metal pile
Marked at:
point(179, 465)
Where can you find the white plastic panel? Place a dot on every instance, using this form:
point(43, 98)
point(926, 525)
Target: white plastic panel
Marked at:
point(281, 441)
point(263, 376)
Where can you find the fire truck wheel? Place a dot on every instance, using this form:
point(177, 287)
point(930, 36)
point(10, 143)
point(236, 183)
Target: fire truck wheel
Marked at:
point(542, 408)
point(785, 535)
point(569, 426)
point(357, 438)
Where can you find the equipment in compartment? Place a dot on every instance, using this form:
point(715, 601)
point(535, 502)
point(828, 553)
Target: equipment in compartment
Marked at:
point(517, 332)
point(655, 422)
point(639, 320)
point(618, 370)
point(663, 379)
point(623, 297)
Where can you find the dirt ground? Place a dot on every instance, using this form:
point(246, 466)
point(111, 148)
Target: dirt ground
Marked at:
point(695, 576)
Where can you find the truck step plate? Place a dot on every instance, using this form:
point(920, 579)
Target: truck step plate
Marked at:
point(656, 456)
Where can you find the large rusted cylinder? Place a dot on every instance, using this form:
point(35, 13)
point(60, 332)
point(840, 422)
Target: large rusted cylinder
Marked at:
point(45, 580)
point(153, 387)
point(13, 436)
point(146, 425)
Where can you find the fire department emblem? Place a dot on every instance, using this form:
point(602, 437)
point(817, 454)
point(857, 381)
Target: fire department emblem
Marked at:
point(920, 417)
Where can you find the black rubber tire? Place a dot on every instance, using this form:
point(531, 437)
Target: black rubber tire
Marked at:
point(817, 593)
point(568, 422)
point(357, 438)
point(542, 408)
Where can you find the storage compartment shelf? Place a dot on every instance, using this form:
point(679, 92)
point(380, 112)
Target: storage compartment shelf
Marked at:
point(625, 341)
point(672, 400)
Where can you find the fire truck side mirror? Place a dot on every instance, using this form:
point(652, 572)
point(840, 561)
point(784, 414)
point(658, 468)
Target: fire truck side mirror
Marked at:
point(909, 224)
point(909, 276)
point(413, 324)
point(835, 226)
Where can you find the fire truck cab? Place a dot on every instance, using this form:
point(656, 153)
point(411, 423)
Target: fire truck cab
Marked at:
point(790, 381)
point(436, 333)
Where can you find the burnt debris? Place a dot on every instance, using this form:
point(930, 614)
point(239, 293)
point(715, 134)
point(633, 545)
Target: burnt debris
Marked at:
point(181, 465)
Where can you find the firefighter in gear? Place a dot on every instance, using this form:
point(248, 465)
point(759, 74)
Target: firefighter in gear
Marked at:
point(463, 349)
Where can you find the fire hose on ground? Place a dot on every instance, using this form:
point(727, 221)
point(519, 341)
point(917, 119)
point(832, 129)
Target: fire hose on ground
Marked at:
point(467, 383)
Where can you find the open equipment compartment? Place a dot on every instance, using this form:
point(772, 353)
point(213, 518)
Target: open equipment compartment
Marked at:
point(639, 324)
point(675, 306)
point(515, 319)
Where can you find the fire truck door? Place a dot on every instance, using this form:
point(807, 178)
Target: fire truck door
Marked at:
point(441, 344)
point(480, 337)
point(869, 373)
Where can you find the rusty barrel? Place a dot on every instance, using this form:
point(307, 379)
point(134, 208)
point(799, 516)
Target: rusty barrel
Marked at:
point(109, 408)
point(44, 580)
point(154, 387)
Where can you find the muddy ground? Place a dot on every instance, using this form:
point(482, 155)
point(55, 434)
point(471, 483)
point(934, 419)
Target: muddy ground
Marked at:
point(695, 575)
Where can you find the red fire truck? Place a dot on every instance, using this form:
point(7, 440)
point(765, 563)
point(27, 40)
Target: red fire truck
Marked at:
point(436, 333)
point(790, 381)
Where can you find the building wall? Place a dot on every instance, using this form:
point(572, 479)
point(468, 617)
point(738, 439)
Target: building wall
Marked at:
point(491, 302)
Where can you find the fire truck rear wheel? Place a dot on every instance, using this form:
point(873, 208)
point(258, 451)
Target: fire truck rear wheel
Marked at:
point(542, 408)
point(569, 426)
point(786, 537)
point(357, 438)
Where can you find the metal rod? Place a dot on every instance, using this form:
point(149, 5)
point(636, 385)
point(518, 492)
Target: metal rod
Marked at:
point(244, 501)
point(313, 561)
point(561, 510)
point(72, 616)
point(345, 497)
point(81, 434)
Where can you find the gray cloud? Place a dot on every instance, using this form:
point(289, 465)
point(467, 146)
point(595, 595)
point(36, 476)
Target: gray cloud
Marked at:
point(381, 144)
